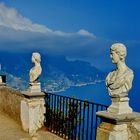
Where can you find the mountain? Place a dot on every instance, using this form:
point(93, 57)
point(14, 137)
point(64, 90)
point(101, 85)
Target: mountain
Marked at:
point(58, 73)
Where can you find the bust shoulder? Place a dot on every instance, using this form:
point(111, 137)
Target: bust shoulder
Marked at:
point(110, 74)
point(128, 73)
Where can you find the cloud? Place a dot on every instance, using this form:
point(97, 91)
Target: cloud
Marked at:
point(9, 17)
point(18, 33)
point(85, 33)
point(17, 29)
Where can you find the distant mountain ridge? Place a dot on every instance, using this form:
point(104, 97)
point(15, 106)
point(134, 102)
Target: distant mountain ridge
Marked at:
point(58, 72)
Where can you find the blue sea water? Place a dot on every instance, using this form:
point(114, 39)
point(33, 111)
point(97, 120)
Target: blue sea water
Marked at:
point(98, 93)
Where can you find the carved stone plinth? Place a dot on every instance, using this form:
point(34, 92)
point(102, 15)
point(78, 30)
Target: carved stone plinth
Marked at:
point(34, 87)
point(108, 131)
point(117, 127)
point(119, 105)
point(32, 112)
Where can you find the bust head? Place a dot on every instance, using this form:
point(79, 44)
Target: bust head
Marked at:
point(35, 71)
point(118, 52)
point(36, 57)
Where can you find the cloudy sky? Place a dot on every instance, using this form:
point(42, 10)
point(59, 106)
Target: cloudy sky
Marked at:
point(78, 29)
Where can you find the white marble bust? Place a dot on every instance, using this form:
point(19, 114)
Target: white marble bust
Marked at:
point(35, 71)
point(119, 81)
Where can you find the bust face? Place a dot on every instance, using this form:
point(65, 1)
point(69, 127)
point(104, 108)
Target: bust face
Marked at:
point(33, 59)
point(114, 57)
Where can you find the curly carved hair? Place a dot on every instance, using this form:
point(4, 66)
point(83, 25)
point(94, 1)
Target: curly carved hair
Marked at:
point(120, 49)
point(37, 57)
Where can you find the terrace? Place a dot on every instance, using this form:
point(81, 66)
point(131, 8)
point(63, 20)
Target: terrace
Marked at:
point(63, 117)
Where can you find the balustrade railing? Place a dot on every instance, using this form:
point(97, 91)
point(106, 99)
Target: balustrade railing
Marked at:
point(71, 118)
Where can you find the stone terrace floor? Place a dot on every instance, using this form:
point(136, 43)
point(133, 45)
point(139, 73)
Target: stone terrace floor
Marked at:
point(10, 130)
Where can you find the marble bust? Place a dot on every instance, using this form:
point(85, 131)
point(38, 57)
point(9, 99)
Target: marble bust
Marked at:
point(119, 81)
point(35, 71)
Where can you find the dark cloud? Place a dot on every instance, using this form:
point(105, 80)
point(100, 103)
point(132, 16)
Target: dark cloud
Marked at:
point(18, 33)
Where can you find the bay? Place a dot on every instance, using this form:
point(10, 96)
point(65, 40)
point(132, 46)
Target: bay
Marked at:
point(98, 93)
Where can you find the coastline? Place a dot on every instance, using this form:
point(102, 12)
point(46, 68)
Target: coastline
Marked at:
point(77, 85)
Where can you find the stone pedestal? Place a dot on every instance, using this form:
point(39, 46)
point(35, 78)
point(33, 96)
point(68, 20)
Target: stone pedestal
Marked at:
point(108, 131)
point(116, 127)
point(34, 87)
point(32, 111)
point(2, 80)
point(120, 105)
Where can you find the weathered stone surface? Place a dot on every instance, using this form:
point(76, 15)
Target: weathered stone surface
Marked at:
point(2, 80)
point(32, 113)
point(29, 95)
point(10, 130)
point(118, 119)
point(107, 131)
point(120, 106)
point(34, 87)
point(119, 127)
point(10, 100)
point(134, 130)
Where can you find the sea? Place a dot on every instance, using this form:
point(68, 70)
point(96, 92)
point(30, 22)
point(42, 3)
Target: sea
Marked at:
point(98, 93)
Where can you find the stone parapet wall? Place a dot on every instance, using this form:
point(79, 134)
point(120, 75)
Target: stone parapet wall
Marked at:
point(10, 100)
